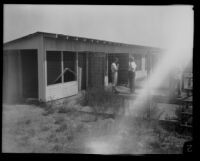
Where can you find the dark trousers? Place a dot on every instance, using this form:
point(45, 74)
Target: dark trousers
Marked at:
point(131, 79)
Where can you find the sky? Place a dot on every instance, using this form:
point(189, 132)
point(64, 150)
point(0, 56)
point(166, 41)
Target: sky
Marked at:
point(157, 26)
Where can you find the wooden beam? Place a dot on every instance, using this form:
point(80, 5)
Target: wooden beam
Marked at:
point(42, 69)
point(79, 74)
point(106, 68)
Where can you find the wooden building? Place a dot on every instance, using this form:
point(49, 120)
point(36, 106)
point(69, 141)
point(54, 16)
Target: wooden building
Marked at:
point(33, 65)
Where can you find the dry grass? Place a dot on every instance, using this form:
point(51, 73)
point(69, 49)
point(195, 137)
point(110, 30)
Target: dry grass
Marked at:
point(53, 129)
point(33, 131)
point(102, 101)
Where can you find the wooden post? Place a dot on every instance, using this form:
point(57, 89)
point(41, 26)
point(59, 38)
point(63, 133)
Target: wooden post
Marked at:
point(79, 78)
point(62, 67)
point(106, 70)
point(143, 63)
point(42, 70)
point(149, 65)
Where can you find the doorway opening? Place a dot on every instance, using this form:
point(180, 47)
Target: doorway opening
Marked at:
point(82, 71)
point(29, 73)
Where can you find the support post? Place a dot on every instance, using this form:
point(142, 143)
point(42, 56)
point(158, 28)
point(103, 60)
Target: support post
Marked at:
point(143, 63)
point(42, 70)
point(62, 67)
point(106, 70)
point(149, 103)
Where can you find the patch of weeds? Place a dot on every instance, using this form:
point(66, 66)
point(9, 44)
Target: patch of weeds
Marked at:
point(57, 148)
point(59, 120)
point(27, 122)
point(165, 138)
point(49, 107)
point(64, 110)
point(52, 138)
point(88, 118)
point(155, 145)
point(101, 101)
point(62, 128)
point(35, 102)
point(48, 110)
point(22, 126)
point(70, 137)
point(31, 132)
point(70, 134)
point(79, 128)
point(23, 140)
point(70, 131)
point(167, 142)
point(45, 128)
point(150, 110)
point(65, 129)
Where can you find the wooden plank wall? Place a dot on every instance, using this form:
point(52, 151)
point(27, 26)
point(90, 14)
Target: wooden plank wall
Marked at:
point(11, 76)
point(96, 71)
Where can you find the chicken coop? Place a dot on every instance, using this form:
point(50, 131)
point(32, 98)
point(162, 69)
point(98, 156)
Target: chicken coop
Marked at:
point(49, 66)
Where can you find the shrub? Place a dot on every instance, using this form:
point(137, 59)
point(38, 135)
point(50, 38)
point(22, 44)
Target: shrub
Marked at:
point(101, 100)
point(63, 110)
point(62, 128)
point(59, 120)
point(48, 107)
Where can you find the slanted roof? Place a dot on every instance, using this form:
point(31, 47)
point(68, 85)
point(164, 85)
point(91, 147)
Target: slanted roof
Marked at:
point(84, 39)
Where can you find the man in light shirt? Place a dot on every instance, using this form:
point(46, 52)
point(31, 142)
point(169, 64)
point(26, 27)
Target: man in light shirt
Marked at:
point(114, 69)
point(131, 74)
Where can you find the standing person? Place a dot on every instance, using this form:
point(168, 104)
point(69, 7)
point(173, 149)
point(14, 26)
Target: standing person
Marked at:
point(131, 74)
point(114, 69)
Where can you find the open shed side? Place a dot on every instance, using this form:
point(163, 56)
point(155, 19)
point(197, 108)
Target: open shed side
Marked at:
point(49, 66)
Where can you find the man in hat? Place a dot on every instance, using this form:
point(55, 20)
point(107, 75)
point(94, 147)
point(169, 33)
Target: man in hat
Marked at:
point(114, 69)
point(131, 74)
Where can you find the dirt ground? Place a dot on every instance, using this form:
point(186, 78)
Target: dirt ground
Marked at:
point(33, 129)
